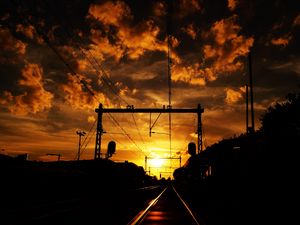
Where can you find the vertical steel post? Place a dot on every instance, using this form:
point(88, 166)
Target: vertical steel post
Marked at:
point(199, 131)
point(79, 145)
point(99, 132)
point(251, 93)
point(247, 109)
point(180, 161)
point(80, 134)
point(146, 164)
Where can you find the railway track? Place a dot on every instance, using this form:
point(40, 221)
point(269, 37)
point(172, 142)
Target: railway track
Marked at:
point(109, 208)
point(168, 208)
point(161, 205)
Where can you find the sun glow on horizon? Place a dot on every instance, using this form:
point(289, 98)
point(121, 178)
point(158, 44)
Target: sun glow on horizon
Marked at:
point(156, 162)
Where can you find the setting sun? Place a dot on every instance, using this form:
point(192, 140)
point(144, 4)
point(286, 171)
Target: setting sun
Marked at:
point(148, 112)
point(156, 162)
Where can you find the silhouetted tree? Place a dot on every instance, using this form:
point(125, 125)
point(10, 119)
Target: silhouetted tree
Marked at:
point(283, 120)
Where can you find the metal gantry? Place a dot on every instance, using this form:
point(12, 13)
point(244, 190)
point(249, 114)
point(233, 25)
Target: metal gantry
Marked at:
point(170, 158)
point(131, 109)
point(55, 154)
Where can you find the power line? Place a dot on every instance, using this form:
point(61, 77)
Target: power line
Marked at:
point(187, 136)
point(129, 137)
point(83, 143)
point(41, 33)
point(138, 131)
point(80, 134)
point(125, 134)
point(83, 149)
point(94, 62)
point(104, 77)
point(47, 41)
point(107, 80)
point(169, 13)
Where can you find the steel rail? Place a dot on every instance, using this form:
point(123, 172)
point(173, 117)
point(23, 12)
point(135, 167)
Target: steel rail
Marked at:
point(139, 217)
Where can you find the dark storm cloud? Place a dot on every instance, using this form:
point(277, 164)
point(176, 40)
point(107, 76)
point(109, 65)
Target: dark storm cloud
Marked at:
point(275, 83)
point(60, 119)
point(9, 76)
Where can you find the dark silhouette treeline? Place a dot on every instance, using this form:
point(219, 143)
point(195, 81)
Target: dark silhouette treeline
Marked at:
point(71, 192)
point(249, 179)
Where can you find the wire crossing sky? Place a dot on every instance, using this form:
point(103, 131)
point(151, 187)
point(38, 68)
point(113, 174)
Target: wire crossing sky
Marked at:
point(59, 60)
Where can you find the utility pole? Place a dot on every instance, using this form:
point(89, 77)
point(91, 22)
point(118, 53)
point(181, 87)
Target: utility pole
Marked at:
point(169, 33)
point(146, 164)
point(251, 94)
point(247, 109)
point(80, 134)
point(99, 132)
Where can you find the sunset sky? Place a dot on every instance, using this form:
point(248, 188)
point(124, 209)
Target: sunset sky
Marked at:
point(118, 50)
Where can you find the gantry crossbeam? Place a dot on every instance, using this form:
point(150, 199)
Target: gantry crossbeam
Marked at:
point(131, 109)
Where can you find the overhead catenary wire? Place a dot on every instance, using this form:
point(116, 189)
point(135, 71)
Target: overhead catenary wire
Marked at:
point(71, 70)
point(109, 82)
point(118, 141)
point(90, 138)
point(204, 137)
point(187, 139)
point(91, 59)
point(169, 13)
point(47, 41)
point(129, 137)
point(152, 125)
point(104, 77)
point(142, 139)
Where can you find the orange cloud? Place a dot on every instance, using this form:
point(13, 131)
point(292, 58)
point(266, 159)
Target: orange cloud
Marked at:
point(193, 5)
point(91, 119)
point(82, 64)
point(77, 97)
point(283, 41)
point(35, 98)
point(222, 56)
point(130, 40)
point(232, 4)
point(297, 21)
point(229, 46)
point(232, 96)
point(102, 46)
point(159, 9)
point(68, 51)
point(29, 32)
point(190, 30)
point(225, 30)
point(189, 74)
point(110, 13)
point(12, 47)
point(187, 7)
point(141, 38)
point(209, 51)
point(74, 58)
point(7, 98)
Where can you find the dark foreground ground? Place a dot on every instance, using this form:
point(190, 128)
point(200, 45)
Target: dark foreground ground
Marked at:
point(104, 192)
point(86, 192)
